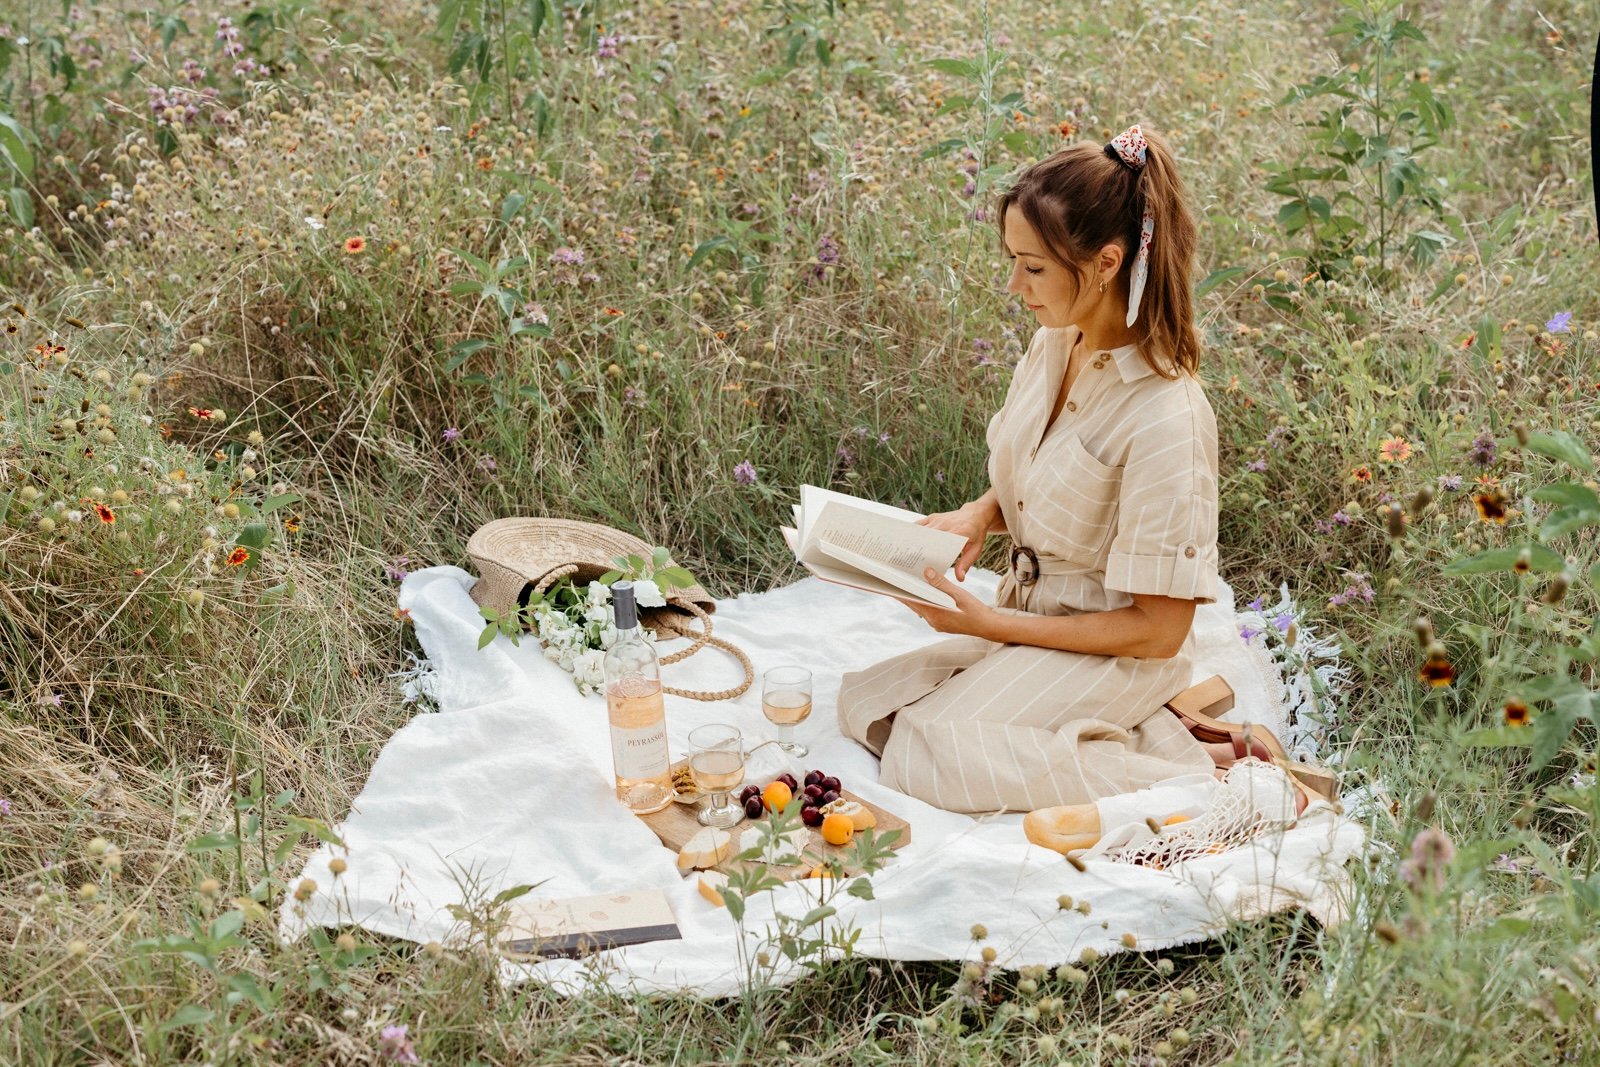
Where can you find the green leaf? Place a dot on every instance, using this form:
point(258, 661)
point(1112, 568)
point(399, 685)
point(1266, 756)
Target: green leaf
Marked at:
point(254, 535)
point(1499, 737)
point(506, 896)
point(282, 500)
point(1216, 278)
point(1504, 559)
point(816, 915)
point(212, 842)
point(487, 634)
point(677, 577)
point(707, 247)
point(1558, 444)
point(961, 68)
point(1552, 727)
point(510, 206)
point(227, 924)
point(188, 1015)
point(249, 989)
point(862, 888)
point(21, 205)
point(1568, 494)
point(14, 146)
point(462, 351)
point(735, 905)
point(1565, 520)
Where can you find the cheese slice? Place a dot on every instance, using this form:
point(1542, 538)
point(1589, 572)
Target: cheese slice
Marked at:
point(860, 816)
point(707, 848)
point(712, 883)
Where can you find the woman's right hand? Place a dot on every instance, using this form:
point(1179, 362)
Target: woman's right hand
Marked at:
point(972, 521)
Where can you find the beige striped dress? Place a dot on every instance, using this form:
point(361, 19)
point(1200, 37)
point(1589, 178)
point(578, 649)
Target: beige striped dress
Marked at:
point(1119, 497)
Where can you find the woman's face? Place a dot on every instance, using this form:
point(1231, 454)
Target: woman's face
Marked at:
point(1044, 285)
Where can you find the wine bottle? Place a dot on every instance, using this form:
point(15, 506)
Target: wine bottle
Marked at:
point(637, 711)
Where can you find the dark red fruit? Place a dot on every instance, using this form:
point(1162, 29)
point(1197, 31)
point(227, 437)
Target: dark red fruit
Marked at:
point(831, 784)
point(753, 807)
point(747, 792)
point(788, 779)
point(813, 777)
point(810, 816)
point(827, 798)
point(814, 791)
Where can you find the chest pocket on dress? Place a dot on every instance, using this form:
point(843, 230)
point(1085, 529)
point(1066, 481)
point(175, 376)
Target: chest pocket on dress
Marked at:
point(1073, 504)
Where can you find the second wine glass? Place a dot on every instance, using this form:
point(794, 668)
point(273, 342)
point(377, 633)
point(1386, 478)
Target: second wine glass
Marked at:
point(716, 759)
point(786, 702)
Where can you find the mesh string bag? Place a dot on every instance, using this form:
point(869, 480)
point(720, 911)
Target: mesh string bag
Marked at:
point(1253, 798)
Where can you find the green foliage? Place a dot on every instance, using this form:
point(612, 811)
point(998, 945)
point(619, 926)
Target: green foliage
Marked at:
point(16, 152)
point(1361, 189)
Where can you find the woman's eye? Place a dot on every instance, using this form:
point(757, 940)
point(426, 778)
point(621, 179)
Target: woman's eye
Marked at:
point(1034, 270)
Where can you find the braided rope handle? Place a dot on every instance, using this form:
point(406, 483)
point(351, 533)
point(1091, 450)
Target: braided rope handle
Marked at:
point(701, 639)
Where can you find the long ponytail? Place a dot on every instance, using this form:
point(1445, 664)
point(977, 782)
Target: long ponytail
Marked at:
point(1081, 198)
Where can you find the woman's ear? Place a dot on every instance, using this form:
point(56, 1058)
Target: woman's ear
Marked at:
point(1108, 262)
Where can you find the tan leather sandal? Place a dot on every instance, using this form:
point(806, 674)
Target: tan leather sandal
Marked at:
point(1198, 706)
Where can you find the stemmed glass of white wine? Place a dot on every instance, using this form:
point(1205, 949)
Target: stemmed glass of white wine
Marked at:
point(786, 701)
point(716, 760)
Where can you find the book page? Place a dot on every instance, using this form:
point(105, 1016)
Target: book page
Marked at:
point(886, 540)
point(867, 573)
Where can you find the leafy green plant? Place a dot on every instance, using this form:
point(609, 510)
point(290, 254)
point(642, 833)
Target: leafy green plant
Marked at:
point(566, 599)
point(18, 158)
point(487, 34)
point(1362, 185)
point(1548, 674)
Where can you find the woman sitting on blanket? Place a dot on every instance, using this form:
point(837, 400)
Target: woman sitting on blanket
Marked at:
point(1103, 471)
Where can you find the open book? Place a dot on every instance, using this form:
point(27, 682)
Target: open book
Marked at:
point(870, 546)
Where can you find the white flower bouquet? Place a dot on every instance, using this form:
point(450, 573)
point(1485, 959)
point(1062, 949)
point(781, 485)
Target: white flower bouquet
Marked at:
point(575, 624)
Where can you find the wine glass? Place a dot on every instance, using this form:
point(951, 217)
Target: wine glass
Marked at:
point(716, 759)
point(785, 701)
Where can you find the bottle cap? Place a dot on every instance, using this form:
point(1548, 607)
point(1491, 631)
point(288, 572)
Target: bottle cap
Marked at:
point(622, 603)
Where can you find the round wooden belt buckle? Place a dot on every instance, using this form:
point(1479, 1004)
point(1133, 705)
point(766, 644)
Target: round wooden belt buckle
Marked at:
point(1033, 565)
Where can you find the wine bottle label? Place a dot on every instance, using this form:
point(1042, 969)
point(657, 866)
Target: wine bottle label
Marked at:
point(640, 753)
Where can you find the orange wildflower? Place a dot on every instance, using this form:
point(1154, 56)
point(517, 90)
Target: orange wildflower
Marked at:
point(1395, 450)
point(238, 557)
point(1492, 506)
point(1437, 671)
point(1516, 713)
point(354, 246)
point(613, 311)
point(292, 524)
point(1361, 474)
point(107, 516)
point(200, 413)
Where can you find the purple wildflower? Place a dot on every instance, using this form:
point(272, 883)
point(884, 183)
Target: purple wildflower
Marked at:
point(827, 255)
point(451, 434)
point(938, 476)
point(5, 806)
point(883, 438)
point(1339, 518)
point(487, 463)
point(397, 570)
point(1508, 863)
point(1248, 633)
point(633, 397)
point(535, 312)
point(1449, 483)
point(750, 208)
point(607, 47)
point(1276, 435)
point(1561, 322)
point(846, 458)
point(53, 699)
point(1283, 622)
point(394, 1044)
point(1482, 449)
point(1254, 605)
point(1257, 464)
point(745, 473)
point(572, 257)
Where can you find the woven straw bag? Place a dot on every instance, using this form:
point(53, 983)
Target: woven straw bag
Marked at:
point(514, 556)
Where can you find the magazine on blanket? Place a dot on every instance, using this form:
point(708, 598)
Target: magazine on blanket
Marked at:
point(576, 926)
point(870, 546)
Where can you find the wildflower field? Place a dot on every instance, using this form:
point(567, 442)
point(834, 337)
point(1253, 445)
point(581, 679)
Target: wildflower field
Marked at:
point(297, 295)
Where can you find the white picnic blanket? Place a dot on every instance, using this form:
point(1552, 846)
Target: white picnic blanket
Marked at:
point(508, 782)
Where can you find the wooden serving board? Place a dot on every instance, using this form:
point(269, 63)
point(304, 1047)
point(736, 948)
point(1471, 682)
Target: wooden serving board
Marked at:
point(676, 824)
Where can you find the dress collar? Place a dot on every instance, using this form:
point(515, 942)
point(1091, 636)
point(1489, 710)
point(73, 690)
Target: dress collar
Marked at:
point(1130, 364)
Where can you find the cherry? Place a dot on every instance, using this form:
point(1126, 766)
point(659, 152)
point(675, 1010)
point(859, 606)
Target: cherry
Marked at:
point(749, 791)
point(813, 777)
point(827, 798)
point(788, 779)
point(753, 807)
point(810, 816)
point(814, 791)
point(831, 784)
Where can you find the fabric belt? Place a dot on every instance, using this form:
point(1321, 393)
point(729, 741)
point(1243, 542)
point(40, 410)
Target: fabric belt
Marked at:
point(1028, 564)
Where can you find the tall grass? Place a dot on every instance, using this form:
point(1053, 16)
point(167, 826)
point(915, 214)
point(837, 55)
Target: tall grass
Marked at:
point(797, 286)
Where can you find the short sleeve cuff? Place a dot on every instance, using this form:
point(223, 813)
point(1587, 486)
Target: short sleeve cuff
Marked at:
point(1190, 574)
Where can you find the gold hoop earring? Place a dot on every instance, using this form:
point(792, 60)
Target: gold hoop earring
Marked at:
point(1102, 285)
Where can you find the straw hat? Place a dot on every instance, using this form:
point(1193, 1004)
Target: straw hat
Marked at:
point(514, 556)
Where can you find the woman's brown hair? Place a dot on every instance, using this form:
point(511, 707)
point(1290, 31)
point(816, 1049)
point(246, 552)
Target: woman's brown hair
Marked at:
point(1082, 198)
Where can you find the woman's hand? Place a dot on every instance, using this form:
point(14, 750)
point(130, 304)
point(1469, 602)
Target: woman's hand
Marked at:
point(973, 521)
point(969, 616)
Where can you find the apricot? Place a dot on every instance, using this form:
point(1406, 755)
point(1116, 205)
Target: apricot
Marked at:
point(777, 796)
point(838, 829)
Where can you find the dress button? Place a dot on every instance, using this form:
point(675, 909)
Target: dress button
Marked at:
point(1072, 405)
point(1098, 364)
point(1019, 505)
point(1189, 552)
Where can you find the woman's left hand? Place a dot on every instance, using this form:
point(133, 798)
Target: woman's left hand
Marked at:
point(969, 616)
